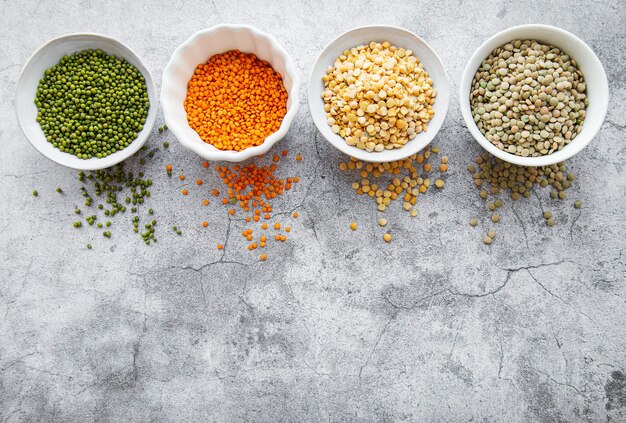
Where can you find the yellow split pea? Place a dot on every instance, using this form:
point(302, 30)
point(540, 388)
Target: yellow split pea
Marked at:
point(408, 180)
point(378, 96)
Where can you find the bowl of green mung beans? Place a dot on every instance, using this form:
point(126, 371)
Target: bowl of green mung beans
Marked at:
point(534, 95)
point(86, 101)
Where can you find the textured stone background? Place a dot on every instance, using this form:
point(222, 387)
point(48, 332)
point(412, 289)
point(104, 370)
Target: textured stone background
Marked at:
point(336, 325)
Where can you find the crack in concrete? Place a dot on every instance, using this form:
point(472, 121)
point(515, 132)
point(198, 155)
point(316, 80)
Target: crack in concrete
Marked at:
point(213, 263)
point(226, 238)
point(398, 310)
point(453, 344)
point(14, 298)
point(314, 229)
point(48, 372)
point(484, 294)
point(522, 225)
point(500, 362)
point(202, 292)
point(12, 175)
point(9, 67)
point(369, 357)
point(537, 266)
point(543, 287)
point(559, 298)
point(416, 302)
point(569, 385)
point(19, 360)
point(608, 122)
point(135, 357)
point(571, 227)
point(501, 366)
point(538, 199)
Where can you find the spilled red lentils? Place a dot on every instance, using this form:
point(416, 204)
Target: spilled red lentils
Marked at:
point(249, 192)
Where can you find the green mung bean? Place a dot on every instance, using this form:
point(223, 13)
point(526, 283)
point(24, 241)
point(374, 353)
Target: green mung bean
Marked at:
point(92, 104)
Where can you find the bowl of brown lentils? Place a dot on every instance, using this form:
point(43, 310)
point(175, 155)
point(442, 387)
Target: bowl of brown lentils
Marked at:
point(534, 95)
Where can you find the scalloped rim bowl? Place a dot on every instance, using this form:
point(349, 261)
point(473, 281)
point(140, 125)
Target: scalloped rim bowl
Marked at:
point(398, 37)
point(49, 55)
point(589, 65)
point(198, 49)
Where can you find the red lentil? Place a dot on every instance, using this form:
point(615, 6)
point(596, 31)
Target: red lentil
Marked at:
point(235, 101)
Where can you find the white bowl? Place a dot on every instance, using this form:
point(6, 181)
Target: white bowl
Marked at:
point(49, 55)
point(400, 38)
point(199, 48)
point(589, 65)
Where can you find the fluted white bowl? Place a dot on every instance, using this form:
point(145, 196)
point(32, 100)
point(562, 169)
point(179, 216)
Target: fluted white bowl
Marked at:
point(49, 55)
point(398, 37)
point(199, 48)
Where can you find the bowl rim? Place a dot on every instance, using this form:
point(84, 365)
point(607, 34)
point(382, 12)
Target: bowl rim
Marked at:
point(206, 150)
point(93, 163)
point(569, 150)
point(402, 153)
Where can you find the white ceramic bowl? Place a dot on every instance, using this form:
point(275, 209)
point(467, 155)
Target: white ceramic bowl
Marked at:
point(49, 55)
point(589, 65)
point(400, 38)
point(199, 48)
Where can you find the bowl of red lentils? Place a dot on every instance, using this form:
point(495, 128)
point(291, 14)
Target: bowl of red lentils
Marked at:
point(230, 93)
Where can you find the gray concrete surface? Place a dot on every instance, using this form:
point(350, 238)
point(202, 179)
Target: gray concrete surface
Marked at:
point(336, 325)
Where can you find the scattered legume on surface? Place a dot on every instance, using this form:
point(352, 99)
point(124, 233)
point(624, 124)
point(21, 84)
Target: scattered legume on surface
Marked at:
point(494, 176)
point(408, 180)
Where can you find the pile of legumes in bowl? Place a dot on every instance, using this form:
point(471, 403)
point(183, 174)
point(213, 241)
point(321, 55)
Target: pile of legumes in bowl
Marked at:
point(534, 95)
point(230, 93)
point(86, 101)
point(379, 93)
